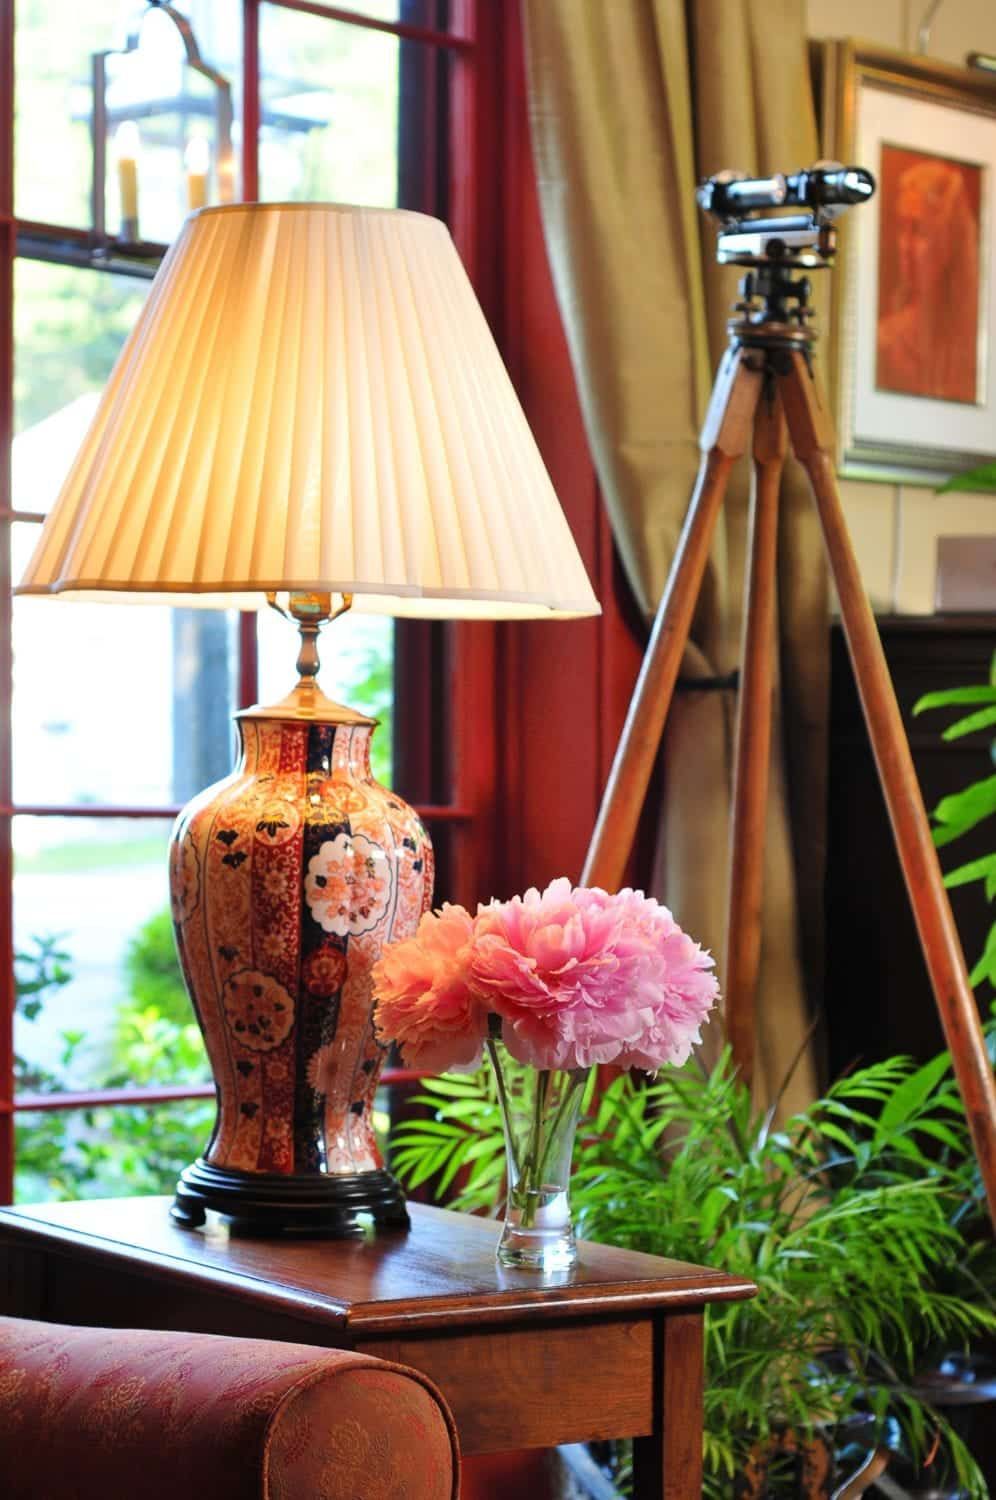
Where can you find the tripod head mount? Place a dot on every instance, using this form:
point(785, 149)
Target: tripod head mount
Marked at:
point(773, 245)
point(804, 239)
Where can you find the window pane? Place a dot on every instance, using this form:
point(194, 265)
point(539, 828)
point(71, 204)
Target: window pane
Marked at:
point(329, 96)
point(69, 327)
point(128, 705)
point(153, 87)
point(117, 1152)
point(357, 669)
point(100, 1002)
point(52, 174)
point(79, 736)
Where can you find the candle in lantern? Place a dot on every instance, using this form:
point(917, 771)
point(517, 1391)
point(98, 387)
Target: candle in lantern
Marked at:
point(126, 149)
point(226, 176)
point(197, 159)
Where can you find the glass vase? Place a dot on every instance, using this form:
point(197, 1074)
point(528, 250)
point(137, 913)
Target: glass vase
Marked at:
point(540, 1109)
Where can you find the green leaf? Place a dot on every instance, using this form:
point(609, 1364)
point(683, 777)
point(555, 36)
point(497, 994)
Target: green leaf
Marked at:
point(981, 720)
point(974, 803)
point(948, 697)
point(486, 1146)
point(457, 1085)
point(456, 1161)
point(976, 869)
point(986, 966)
point(942, 1132)
point(835, 1133)
point(949, 833)
point(982, 479)
point(716, 1202)
point(910, 1096)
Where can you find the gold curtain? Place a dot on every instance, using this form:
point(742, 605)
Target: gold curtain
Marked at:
point(631, 102)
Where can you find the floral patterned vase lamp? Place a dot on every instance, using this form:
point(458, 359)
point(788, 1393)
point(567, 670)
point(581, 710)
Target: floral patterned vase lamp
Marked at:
point(311, 406)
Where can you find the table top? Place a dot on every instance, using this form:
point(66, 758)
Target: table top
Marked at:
point(439, 1274)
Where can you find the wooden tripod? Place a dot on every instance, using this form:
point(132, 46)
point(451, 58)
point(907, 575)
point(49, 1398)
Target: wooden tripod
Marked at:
point(766, 377)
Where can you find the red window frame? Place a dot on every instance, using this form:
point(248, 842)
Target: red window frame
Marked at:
point(466, 653)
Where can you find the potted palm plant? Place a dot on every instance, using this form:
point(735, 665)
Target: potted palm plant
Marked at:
point(855, 1219)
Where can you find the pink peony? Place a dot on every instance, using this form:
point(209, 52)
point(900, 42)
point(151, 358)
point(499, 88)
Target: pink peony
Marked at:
point(677, 985)
point(424, 1001)
point(581, 977)
point(577, 976)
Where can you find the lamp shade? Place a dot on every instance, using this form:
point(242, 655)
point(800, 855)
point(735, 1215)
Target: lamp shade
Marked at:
point(311, 400)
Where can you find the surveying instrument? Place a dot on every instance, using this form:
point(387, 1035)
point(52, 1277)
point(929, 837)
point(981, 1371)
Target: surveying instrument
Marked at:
point(767, 393)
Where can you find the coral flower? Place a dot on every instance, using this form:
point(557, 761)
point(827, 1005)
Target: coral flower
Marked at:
point(424, 1001)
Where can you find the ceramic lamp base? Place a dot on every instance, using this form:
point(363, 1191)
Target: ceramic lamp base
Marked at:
point(287, 880)
point(271, 1203)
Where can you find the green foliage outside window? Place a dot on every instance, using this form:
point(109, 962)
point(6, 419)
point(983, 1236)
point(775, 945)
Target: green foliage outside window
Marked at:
point(73, 323)
point(153, 974)
point(114, 1151)
point(373, 693)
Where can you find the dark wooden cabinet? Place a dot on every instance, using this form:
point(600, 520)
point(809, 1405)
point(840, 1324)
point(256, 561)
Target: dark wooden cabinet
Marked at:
point(878, 996)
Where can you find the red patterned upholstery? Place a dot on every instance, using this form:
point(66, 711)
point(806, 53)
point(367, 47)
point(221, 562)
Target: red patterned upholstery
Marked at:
point(101, 1414)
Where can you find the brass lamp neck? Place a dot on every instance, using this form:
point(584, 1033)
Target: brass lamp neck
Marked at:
point(307, 701)
point(307, 656)
point(310, 612)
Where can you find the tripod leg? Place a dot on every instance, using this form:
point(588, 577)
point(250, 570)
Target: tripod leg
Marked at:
point(753, 741)
point(724, 438)
point(811, 431)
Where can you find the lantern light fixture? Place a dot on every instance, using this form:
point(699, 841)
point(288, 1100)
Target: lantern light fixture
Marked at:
point(104, 118)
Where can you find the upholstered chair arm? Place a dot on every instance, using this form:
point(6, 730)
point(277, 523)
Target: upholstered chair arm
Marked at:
point(99, 1414)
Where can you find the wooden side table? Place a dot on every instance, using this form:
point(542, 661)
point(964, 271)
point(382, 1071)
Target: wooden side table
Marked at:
point(614, 1352)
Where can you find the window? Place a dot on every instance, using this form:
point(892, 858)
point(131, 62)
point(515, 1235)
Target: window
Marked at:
point(117, 714)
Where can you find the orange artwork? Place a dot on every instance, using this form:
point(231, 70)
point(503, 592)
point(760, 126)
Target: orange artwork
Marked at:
point(928, 275)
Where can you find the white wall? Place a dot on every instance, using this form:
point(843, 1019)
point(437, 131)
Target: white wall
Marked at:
point(895, 528)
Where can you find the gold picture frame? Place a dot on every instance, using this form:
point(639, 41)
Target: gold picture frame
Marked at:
point(912, 348)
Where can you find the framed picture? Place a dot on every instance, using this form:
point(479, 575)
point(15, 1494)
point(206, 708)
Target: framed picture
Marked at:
point(912, 349)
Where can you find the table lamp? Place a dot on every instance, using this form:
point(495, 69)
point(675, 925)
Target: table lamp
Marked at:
point(310, 406)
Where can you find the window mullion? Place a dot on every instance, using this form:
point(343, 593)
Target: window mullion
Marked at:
point(250, 100)
point(404, 30)
point(151, 1095)
point(6, 108)
point(6, 432)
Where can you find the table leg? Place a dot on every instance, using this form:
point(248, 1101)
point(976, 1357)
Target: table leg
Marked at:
point(667, 1464)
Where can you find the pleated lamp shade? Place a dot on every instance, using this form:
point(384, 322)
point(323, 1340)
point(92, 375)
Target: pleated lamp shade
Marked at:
point(311, 400)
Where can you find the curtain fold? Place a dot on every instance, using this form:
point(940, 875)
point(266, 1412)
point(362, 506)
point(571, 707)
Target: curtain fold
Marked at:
point(631, 102)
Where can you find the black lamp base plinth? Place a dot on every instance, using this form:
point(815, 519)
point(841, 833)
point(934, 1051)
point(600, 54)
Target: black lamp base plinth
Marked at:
point(271, 1203)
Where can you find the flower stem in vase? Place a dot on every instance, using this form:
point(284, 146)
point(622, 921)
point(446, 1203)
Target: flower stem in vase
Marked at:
point(503, 1100)
point(530, 1184)
point(540, 1117)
